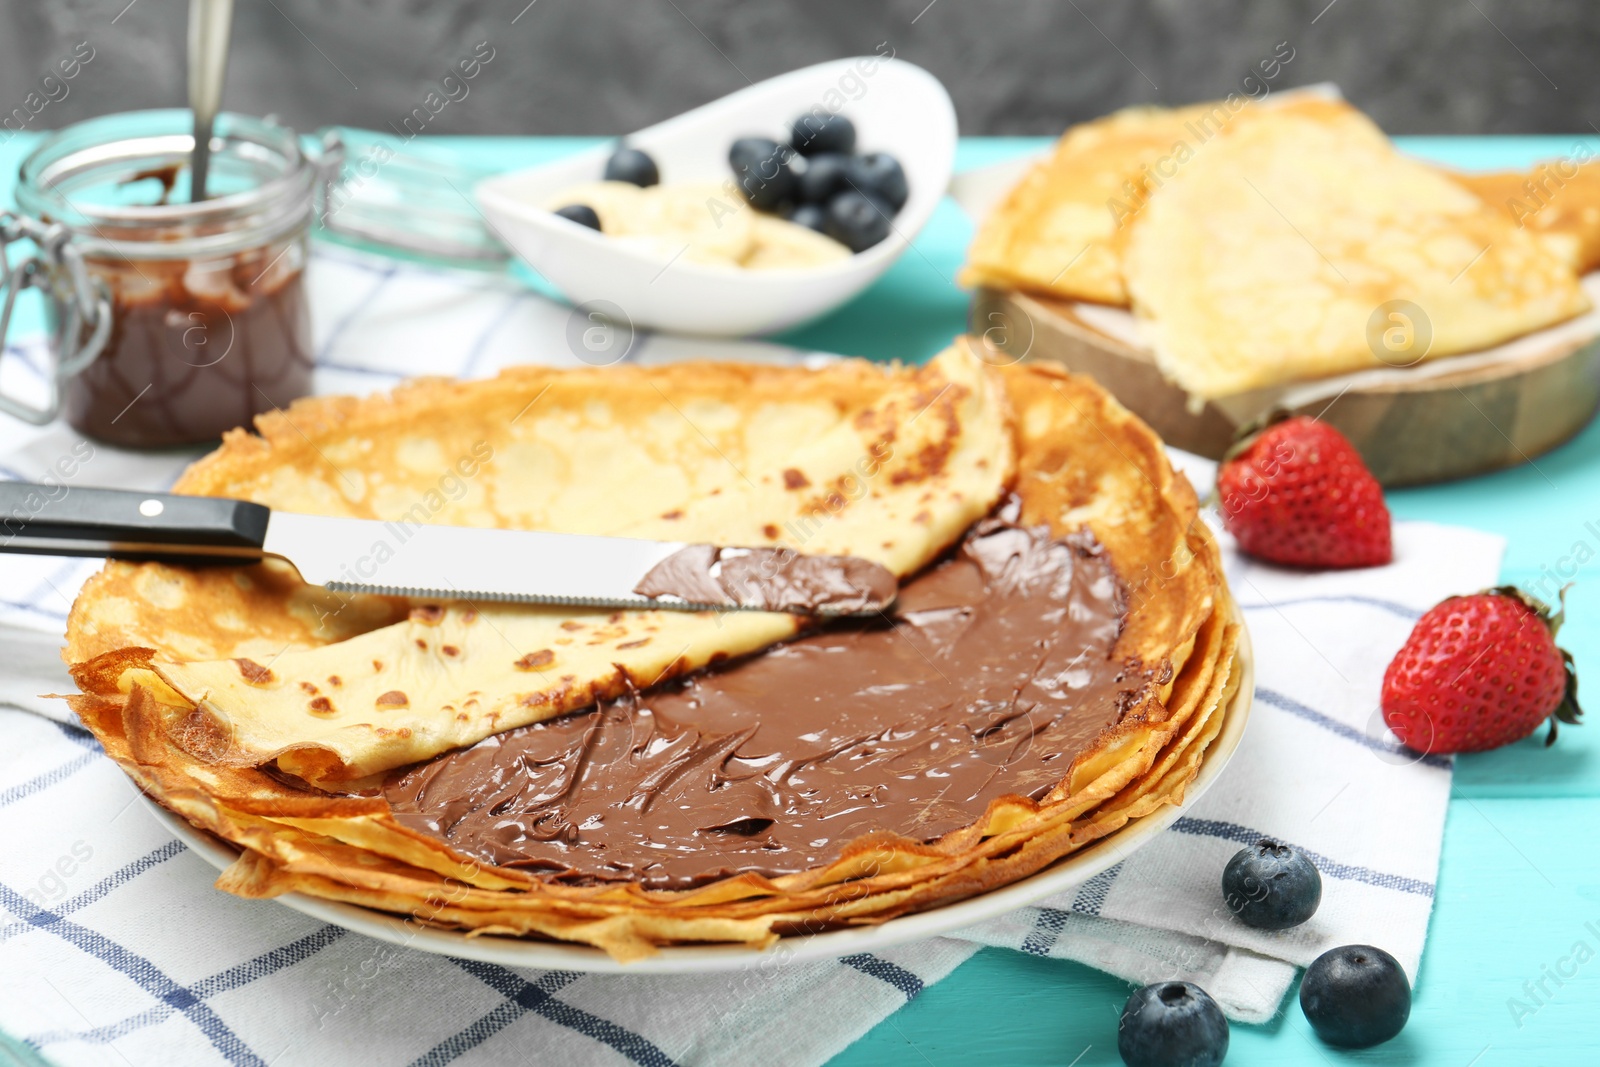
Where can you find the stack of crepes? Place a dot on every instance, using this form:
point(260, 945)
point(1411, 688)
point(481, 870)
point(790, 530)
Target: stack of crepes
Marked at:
point(269, 712)
point(1261, 243)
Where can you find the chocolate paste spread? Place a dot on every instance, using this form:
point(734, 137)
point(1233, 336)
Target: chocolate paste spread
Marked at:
point(197, 347)
point(996, 670)
point(771, 579)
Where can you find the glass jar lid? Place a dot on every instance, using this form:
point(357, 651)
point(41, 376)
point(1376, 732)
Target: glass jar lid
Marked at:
point(120, 184)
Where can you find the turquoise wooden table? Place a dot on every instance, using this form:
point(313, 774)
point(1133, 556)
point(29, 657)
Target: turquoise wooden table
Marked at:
point(1520, 881)
point(1520, 875)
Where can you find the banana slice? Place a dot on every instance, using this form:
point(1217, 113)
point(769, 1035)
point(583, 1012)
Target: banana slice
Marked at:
point(620, 205)
point(715, 223)
point(673, 248)
point(783, 245)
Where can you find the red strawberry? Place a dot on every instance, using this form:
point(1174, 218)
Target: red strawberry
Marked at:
point(1297, 493)
point(1479, 672)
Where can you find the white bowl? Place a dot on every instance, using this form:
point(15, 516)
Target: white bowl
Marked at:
point(896, 107)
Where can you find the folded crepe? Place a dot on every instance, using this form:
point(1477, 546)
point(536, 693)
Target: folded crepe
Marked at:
point(1286, 240)
point(1558, 201)
point(1061, 231)
point(890, 467)
point(1302, 245)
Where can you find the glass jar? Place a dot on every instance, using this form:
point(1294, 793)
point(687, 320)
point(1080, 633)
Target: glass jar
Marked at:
point(171, 322)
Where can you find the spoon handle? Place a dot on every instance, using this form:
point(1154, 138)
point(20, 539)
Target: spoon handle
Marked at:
point(209, 24)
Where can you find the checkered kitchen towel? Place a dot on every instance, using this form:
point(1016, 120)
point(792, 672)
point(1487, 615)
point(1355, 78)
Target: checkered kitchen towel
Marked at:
point(115, 947)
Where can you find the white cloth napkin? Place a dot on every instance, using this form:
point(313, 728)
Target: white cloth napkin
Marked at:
point(1317, 769)
point(117, 948)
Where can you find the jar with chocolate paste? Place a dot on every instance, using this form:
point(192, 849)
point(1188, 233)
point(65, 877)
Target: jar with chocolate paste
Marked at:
point(170, 321)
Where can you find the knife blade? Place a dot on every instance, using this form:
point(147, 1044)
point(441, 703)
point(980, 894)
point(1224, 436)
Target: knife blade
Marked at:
point(423, 560)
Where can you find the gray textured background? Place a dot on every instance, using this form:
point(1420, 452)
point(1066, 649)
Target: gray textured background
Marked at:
point(1013, 66)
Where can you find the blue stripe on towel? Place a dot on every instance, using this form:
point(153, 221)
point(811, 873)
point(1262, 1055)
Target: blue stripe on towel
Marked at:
point(141, 971)
point(1229, 831)
point(1091, 895)
point(385, 276)
point(100, 889)
point(1046, 931)
point(884, 971)
point(1390, 606)
point(480, 344)
point(522, 996)
point(77, 735)
point(1089, 899)
point(180, 999)
point(1349, 733)
point(47, 779)
point(18, 605)
point(354, 368)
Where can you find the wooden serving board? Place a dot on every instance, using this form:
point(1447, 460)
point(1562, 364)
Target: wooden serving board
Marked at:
point(1409, 432)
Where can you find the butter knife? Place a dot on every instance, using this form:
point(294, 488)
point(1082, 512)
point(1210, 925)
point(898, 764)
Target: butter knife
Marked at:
point(429, 561)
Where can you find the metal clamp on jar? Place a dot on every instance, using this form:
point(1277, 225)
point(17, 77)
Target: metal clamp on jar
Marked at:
point(170, 322)
point(78, 307)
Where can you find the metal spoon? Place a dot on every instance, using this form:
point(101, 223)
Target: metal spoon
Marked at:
point(209, 24)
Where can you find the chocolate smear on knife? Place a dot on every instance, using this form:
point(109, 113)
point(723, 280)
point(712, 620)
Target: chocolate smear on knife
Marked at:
point(771, 579)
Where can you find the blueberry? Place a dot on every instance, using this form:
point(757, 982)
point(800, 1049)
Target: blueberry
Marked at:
point(824, 176)
point(1356, 996)
point(880, 175)
point(856, 221)
point(582, 214)
point(761, 170)
point(1170, 1024)
point(1271, 886)
point(811, 216)
point(632, 166)
point(753, 149)
point(815, 133)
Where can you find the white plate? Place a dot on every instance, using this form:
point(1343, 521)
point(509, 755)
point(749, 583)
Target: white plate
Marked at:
point(1064, 874)
point(896, 107)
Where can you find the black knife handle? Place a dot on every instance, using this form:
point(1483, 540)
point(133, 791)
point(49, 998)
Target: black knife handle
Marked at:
point(71, 520)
